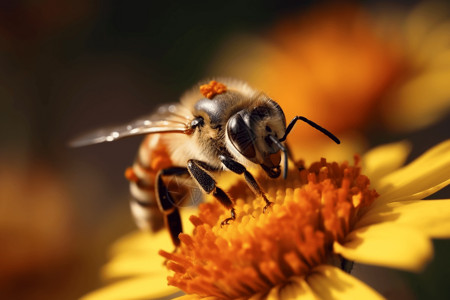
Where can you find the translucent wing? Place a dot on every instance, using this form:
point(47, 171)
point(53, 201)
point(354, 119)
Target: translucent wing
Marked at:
point(170, 118)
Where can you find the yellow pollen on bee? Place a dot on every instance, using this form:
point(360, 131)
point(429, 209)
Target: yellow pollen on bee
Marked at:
point(312, 209)
point(130, 175)
point(212, 88)
point(160, 158)
point(160, 162)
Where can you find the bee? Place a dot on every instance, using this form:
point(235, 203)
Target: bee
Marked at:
point(216, 126)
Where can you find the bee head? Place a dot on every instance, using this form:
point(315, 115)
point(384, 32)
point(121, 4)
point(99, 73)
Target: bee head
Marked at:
point(254, 134)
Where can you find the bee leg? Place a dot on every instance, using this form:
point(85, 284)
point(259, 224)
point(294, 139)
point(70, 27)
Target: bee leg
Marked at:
point(208, 184)
point(238, 168)
point(167, 205)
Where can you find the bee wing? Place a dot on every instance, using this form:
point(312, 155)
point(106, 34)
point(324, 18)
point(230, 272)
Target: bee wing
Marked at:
point(167, 119)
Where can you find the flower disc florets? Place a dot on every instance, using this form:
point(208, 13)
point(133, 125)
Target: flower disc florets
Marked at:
point(312, 209)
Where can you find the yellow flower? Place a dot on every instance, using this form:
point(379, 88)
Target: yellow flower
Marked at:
point(421, 37)
point(323, 217)
point(348, 66)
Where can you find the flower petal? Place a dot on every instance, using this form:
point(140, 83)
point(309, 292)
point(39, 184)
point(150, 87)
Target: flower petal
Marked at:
point(136, 254)
point(385, 159)
point(329, 282)
point(431, 217)
point(144, 287)
point(297, 288)
point(194, 297)
point(410, 107)
point(130, 264)
point(422, 177)
point(141, 242)
point(387, 245)
point(146, 241)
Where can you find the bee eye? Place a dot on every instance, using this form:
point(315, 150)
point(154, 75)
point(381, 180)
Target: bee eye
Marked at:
point(260, 112)
point(268, 129)
point(241, 136)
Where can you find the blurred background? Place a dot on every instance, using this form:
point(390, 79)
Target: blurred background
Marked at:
point(370, 73)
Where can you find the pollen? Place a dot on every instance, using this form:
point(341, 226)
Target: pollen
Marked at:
point(158, 156)
point(313, 208)
point(212, 88)
point(130, 175)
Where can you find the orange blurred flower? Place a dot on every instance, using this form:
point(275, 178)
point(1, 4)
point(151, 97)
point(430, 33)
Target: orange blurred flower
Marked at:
point(36, 224)
point(346, 68)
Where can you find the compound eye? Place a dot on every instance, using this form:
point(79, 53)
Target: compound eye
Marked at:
point(241, 136)
point(260, 112)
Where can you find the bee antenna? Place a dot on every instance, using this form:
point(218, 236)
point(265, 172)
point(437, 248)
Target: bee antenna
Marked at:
point(311, 123)
point(282, 148)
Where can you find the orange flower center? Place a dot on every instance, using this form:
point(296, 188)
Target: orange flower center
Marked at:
point(312, 208)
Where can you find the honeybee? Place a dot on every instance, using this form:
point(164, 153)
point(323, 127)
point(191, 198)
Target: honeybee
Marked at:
point(216, 126)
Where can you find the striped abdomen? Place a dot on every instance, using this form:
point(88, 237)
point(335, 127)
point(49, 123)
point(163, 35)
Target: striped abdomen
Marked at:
point(151, 158)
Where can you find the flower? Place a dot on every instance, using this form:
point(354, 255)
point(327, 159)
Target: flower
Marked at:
point(326, 63)
point(348, 66)
point(420, 36)
point(33, 198)
point(324, 216)
point(260, 252)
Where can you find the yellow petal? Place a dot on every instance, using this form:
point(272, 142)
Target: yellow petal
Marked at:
point(431, 217)
point(387, 245)
point(421, 23)
point(385, 159)
point(411, 110)
point(194, 297)
point(329, 282)
point(144, 287)
point(422, 177)
point(297, 288)
point(132, 264)
point(141, 241)
point(259, 296)
point(300, 289)
point(136, 254)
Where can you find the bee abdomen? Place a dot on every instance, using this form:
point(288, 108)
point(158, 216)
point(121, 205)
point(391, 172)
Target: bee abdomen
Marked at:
point(151, 158)
point(144, 207)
